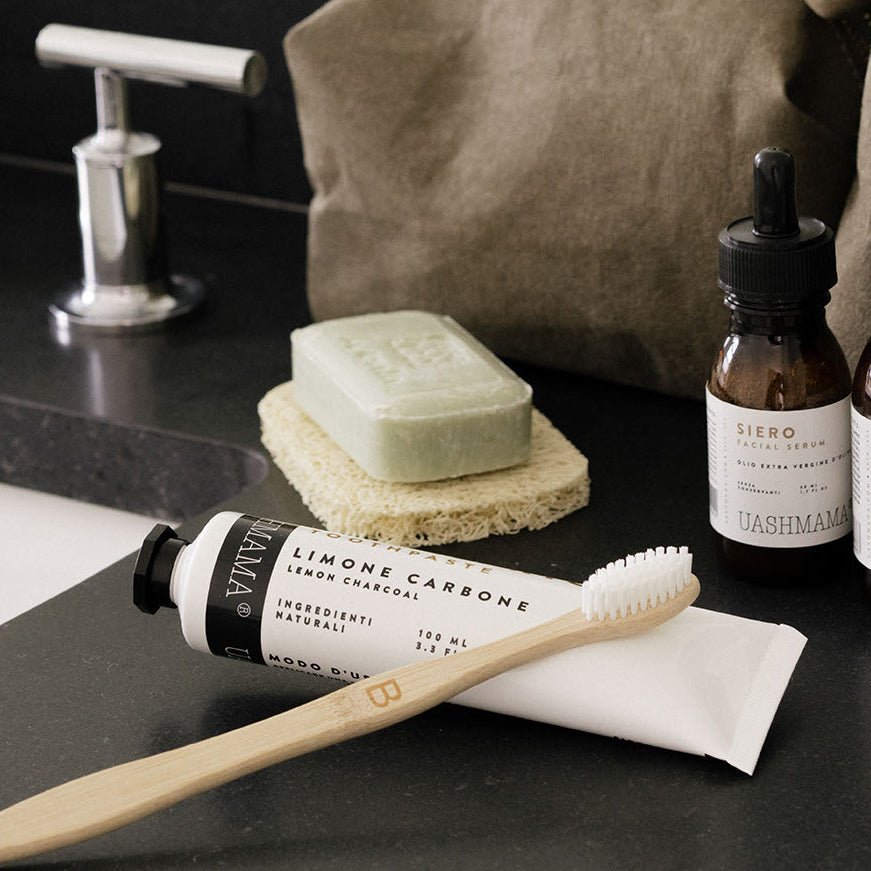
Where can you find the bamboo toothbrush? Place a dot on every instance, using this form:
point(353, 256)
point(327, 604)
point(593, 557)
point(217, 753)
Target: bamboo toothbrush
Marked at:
point(624, 598)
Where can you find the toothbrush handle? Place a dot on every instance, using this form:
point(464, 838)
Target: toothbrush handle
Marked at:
point(111, 798)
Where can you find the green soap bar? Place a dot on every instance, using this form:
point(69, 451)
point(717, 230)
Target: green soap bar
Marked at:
point(411, 396)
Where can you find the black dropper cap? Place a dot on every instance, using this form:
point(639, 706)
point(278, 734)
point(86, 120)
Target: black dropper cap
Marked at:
point(153, 571)
point(775, 259)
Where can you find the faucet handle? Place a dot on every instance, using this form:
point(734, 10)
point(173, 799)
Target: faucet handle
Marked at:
point(164, 61)
point(126, 282)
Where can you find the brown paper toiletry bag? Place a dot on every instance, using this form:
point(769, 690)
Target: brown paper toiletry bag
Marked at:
point(554, 174)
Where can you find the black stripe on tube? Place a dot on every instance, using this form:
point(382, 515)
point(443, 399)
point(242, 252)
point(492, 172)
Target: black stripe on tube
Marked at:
point(237, 591)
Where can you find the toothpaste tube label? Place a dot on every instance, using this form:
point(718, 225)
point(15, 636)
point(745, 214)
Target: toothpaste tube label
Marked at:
point(345, 608)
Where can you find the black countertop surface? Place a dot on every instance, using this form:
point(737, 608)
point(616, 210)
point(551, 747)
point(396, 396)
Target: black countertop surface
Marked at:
point(87, 681)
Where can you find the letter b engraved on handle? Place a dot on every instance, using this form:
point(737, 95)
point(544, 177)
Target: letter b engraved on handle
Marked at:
point(382, 694)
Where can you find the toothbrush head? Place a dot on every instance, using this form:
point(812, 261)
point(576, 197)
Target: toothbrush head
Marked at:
point(637, 583)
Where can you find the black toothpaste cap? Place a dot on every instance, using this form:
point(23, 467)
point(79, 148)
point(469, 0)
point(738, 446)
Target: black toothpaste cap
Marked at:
point(153, 571)
point(774, 258)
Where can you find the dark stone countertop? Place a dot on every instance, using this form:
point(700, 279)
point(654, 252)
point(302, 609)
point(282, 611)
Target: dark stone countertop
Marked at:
point(88, 681)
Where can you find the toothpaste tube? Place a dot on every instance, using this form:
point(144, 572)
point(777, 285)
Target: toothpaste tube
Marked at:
point(345, 608)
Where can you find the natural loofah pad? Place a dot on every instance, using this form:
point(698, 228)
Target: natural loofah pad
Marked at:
point(551, 484)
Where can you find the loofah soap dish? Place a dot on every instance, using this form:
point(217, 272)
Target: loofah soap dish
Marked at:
point(552, 483)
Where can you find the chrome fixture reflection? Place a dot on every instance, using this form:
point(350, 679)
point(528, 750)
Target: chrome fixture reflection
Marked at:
point(126, 281)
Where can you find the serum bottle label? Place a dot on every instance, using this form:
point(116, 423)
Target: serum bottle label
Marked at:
point(779, 478)
point(861, 428)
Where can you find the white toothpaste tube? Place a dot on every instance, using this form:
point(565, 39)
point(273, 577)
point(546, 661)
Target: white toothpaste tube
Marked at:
point(345, 608)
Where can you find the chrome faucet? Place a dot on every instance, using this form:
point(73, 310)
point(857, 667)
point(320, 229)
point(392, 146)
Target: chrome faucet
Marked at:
point(126, 283)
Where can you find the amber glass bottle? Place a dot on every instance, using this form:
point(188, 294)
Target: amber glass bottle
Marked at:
point(778, 394)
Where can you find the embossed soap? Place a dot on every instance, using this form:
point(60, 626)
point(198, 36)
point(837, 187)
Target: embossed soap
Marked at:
point(411, 396)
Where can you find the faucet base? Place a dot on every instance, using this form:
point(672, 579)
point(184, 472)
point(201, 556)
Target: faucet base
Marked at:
point(127, 307)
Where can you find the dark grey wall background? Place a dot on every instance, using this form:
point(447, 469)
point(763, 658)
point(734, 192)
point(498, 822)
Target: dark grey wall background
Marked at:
point(210, 138)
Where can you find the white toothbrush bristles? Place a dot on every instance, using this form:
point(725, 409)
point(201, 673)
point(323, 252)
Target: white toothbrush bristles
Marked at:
point(636, 582)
